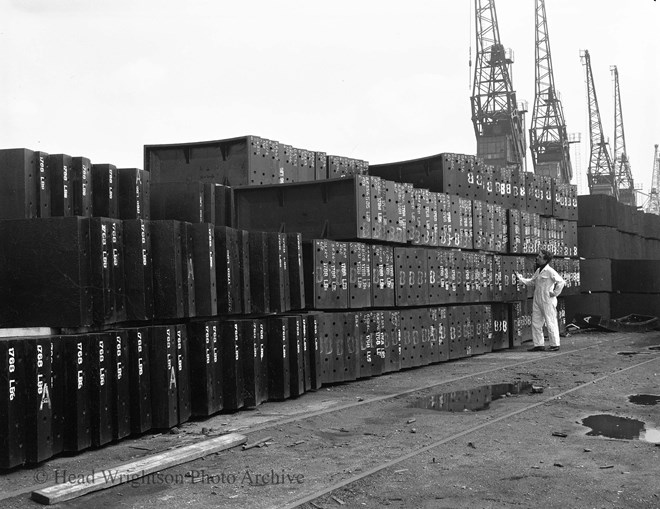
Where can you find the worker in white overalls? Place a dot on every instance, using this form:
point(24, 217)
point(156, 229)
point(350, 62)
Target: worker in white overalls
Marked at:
point(548, 285)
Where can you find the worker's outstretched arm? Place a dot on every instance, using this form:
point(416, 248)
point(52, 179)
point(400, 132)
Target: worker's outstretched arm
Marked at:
point(531, 281)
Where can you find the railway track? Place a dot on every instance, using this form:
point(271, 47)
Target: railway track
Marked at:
point(398, 394)
point(303, 501)
point(303, 422)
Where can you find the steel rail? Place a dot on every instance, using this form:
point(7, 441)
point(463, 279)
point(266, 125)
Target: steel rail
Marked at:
point(308, 498)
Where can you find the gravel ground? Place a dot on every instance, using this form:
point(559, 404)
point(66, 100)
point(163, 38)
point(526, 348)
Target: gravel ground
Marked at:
point(503, 456)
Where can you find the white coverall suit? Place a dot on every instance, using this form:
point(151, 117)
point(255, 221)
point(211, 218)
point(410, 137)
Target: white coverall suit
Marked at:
point(548, 285)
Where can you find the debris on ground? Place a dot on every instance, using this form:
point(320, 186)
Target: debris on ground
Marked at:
point(338, 500)
point(559, 465)
point(140, 448)
point(537, 389)
point(410, 421)
point(559, 434)
point(258, 443)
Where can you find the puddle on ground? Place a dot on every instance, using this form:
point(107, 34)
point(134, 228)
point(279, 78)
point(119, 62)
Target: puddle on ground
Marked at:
point(479, 398)
point(627, 353)
point(644, 399)
point(612, 426)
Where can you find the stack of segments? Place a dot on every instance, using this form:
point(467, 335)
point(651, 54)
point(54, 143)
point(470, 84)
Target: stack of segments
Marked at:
point(621, 248)
point(241, 271)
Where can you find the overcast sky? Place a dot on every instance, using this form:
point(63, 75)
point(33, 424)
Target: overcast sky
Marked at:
point(380, 80)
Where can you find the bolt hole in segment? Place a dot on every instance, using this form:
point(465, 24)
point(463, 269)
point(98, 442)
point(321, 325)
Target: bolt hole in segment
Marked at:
point(613, 426)
point(475, 399)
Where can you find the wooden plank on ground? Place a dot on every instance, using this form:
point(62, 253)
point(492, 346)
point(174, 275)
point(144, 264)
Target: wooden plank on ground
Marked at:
point(99, 480)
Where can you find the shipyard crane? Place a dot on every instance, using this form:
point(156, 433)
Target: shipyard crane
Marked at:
point(624, 179)
point(600, 174)
point(653, 203)
point(548, 140)
point(499, 122)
